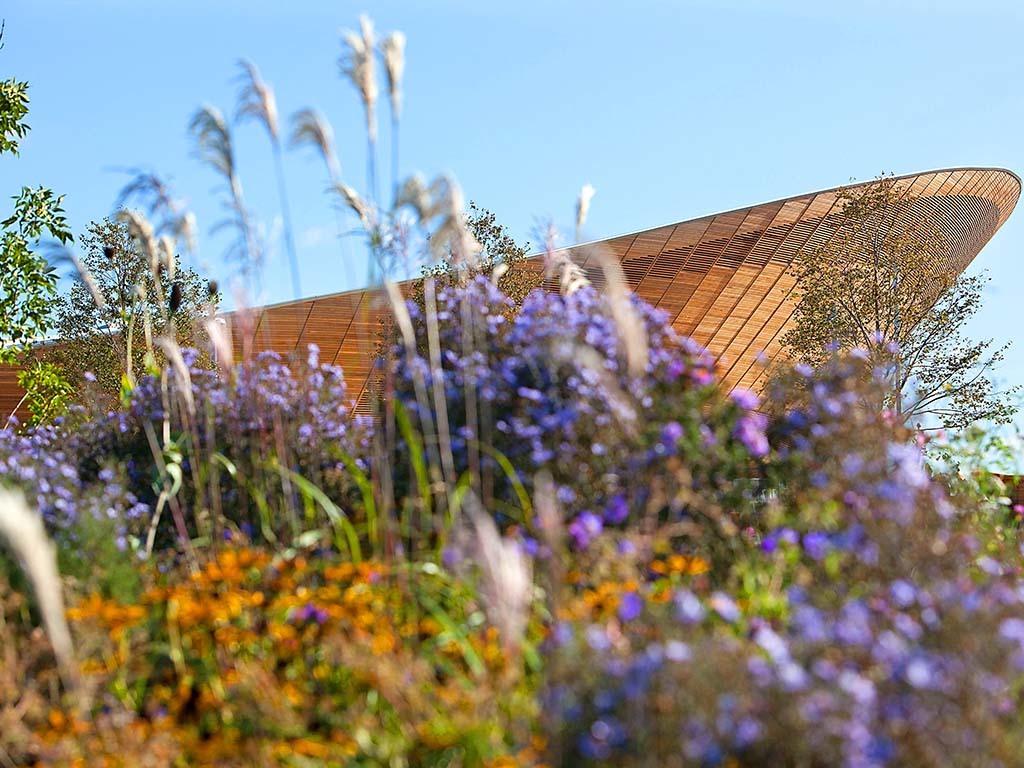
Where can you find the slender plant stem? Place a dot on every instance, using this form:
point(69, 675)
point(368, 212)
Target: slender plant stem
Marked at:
point(394, 159)
point(289, 239)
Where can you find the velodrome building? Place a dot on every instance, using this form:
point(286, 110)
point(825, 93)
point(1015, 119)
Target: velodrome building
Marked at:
point(722, 279)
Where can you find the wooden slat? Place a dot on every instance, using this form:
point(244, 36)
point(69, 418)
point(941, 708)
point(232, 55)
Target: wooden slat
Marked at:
point(721, 278)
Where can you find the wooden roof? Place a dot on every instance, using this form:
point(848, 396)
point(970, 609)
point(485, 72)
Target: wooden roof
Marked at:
point(722, 279)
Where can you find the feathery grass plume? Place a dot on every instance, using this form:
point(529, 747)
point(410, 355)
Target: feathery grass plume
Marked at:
point(219, 334)
point(23, 531)
point(57, 254)
point(213, 140)
point(147, 187)
point(415, 194)
point(393, 50)
point(310, 127)
point(142, 231)
point(165, 246)
point(632, 335)
point(557, 261)
point(357, 63)
point(154, 196)
point(214, 147)
point(506, 576)
point(442, 199)
point(499, 272)
point(551, 530)
point(256, 101)
point(177, 361)
point(583, 208)
point(452, 233)
point(89, 282)
point(356, 203)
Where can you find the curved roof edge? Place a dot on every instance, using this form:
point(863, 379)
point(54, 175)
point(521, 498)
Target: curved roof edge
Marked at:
point(722, 279)
point(1005, 212)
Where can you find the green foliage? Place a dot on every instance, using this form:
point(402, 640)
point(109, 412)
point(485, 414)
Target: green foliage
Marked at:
point(499, 249)
point(13, 109)
point(106, 322)
point(884, 283)
point(27, 283)
point(47, 392)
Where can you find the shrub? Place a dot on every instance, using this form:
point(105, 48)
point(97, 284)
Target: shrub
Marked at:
point(867, 628)
point(551, 391)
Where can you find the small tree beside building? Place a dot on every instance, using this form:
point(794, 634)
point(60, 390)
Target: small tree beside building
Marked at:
point(886, 284)
point(106, 324)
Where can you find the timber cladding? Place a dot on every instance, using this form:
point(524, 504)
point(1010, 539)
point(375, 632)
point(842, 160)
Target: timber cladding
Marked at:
point(722, 279)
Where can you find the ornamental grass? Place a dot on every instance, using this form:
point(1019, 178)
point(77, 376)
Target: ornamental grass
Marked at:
point(557, 541)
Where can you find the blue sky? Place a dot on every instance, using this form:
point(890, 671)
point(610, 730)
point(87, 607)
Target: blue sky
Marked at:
point(672, 110)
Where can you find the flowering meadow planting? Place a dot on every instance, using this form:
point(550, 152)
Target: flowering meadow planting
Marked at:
point(639, 569)
point(557, 540)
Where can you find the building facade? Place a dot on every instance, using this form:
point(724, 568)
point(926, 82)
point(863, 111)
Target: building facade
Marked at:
point(722, 279)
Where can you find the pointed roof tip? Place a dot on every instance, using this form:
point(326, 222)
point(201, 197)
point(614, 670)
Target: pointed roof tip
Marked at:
point(838, 188)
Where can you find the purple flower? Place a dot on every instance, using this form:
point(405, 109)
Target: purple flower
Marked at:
point(677, 651)
point(309, 613)
point(630, 606)
point(584, 529)
point(617, 510)
point(670, 435)
point(816, 545)
point(745, 399)
point(724, 606)
point(1013, 629)
point(903, 593)
point(749, 431)
point(772, 644)
point(689, 609)
point(597, 638)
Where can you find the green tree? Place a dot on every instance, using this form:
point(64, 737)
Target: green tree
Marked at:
point(27, 283)
point(47, 392)
point(499, 250)
point(883, 284)
point(107, 322)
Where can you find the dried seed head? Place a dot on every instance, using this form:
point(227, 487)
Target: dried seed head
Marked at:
point(356, 203)
point(213, 140)
point(256, 99)
point(176, 296)
point(220, 341)
point(357, 63)
point(393, 49)
point(310, 127)
point(583, 207)
point(166, 246)
point(22, 529)
point(174, 357)
point(506, 577)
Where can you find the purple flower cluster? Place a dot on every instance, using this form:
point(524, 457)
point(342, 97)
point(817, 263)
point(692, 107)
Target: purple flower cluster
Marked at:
point(895, 620)
point(43, 465)
point(551, 390)
point(265, 420)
